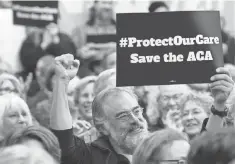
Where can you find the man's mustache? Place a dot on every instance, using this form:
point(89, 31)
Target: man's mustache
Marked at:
point(135, 127)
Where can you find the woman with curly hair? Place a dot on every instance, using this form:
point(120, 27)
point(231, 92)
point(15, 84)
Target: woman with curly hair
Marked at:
point(194, 111)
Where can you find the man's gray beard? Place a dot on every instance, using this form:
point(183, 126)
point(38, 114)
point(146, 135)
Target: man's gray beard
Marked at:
point(131, 142)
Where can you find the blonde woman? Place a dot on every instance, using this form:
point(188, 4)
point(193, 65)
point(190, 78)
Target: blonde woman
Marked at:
point(14, 114)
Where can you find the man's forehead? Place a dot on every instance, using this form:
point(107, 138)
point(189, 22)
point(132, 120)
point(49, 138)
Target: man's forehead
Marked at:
point(120, 101)
point(124, 96)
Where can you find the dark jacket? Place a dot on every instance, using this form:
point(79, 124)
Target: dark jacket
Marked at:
point(76, 151)
point(29, 56)
point(31, 53)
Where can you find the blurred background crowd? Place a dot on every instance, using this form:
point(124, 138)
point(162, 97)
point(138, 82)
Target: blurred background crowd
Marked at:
point(87, 30)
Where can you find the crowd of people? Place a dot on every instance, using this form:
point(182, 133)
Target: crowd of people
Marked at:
point(65, 106)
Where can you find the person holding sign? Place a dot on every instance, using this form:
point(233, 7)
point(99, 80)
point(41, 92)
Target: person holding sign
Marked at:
point(98, 32)
point(97, 36)
point(117, 116)
point(170, 146)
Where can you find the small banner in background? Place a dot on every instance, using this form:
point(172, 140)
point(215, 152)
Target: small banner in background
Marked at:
point(35, 13)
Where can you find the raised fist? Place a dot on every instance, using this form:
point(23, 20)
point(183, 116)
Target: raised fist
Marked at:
point(66, 66)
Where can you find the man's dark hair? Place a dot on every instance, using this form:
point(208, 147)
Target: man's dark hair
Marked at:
point(38, 133)
point(155, 5)
point(213, 147)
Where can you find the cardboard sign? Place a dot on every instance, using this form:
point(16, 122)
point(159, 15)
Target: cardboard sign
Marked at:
point(35, 13)
point(168, 47)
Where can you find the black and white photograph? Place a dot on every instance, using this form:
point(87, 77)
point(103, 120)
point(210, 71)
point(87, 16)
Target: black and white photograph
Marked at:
point(117, 82)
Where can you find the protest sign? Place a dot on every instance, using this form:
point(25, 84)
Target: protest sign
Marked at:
point(35, 13)
point(168, 47)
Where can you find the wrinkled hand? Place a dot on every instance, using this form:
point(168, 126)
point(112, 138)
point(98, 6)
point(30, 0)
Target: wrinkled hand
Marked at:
point(221, 86)
point(66, 66)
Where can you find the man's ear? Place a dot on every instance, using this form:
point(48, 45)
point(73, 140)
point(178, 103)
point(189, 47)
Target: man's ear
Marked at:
point(102, 129)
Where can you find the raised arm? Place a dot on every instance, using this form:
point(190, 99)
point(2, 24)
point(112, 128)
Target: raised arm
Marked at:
point(66, 69)
point(221, 87)
point(74, 150)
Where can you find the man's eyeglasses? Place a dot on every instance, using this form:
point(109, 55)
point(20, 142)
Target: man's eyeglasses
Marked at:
point(125, 116)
